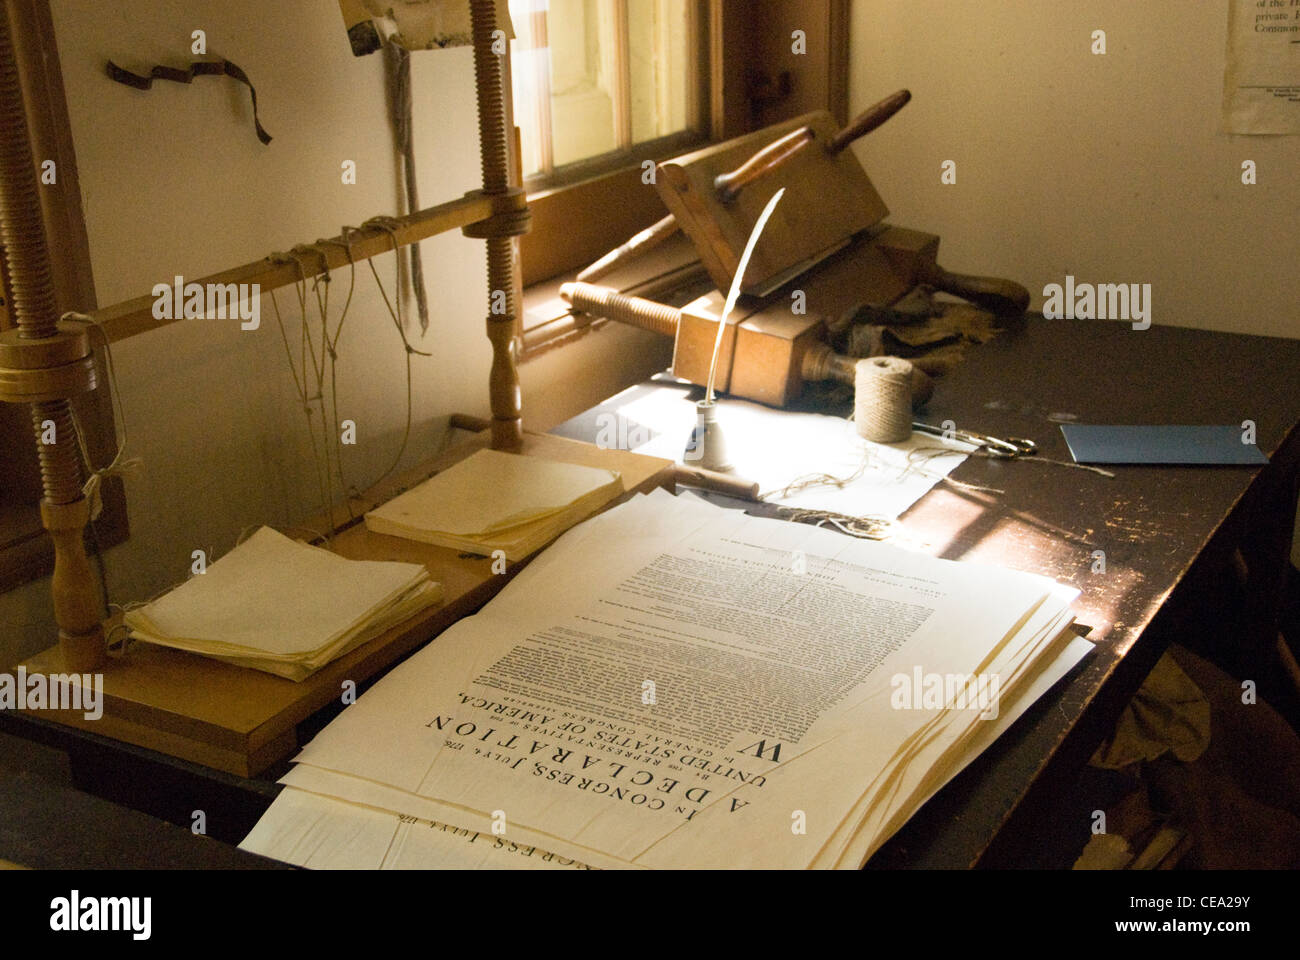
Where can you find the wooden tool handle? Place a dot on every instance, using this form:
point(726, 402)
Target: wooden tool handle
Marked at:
point(609, 303)
point(822, 363)
point(1003, 297)
point(467, 421)
point(647, 239)
point(868, 120)
point(729, 185)
point(717, 482)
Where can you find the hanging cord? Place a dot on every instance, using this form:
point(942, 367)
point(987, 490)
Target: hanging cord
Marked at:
point(333, 350)
point(328, 357)
point(120, 463)
point(302, 384)
point(399, 89)
point(315, 365)
point(319, 363)
point(389, 225)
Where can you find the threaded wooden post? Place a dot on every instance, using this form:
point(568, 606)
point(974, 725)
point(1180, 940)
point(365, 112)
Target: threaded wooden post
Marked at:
point(64, 511)
point(503, 380)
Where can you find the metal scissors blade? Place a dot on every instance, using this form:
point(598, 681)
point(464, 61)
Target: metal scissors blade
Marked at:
point(1008, 449)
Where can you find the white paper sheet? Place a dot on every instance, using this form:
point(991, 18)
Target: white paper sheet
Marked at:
point(337, 822)
point(536, 705)
point(777, 448)
point(1261, 83)
point(326, 833)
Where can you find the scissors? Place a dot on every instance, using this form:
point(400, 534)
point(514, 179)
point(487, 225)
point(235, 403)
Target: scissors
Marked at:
point(1008, 449)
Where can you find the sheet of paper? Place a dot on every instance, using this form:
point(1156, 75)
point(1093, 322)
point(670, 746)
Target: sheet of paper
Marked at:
point(325, 833)
point(667, 693)
point(277, 596)
point(492, 492)
point(1160, 444)
point(943, 746)
point(299, 668)
point(1049, 672)
point(302, 828)
point(782, 451)
point(1261, 83)
point(378, 796)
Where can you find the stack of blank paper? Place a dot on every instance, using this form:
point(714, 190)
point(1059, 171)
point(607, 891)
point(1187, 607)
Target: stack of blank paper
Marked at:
point(497, 501)
point(285, 607)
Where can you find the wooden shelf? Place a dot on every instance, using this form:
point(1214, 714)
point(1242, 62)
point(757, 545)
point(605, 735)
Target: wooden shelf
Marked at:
point(243, 721)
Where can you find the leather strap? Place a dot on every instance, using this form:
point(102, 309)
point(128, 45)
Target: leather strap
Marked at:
point(199, 68)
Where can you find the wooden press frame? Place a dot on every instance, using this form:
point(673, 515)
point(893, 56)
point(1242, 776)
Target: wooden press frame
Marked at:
point(247, 720)
point(36, 369)
point(496, 211)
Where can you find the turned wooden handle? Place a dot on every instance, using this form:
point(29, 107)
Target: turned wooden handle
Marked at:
point(729, 185)
point(717, 482)
point(647, 239)
point(612, 305)
point(820, 362)
point(467, 421)
point(1003, 297)
point(868, 120)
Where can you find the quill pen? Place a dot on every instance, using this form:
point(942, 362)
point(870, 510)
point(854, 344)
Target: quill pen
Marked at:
point(734, 293)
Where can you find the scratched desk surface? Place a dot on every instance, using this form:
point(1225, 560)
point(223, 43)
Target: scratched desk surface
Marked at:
point(1151, 522)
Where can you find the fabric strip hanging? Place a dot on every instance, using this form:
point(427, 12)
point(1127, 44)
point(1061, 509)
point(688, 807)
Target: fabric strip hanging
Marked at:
point(199, 68)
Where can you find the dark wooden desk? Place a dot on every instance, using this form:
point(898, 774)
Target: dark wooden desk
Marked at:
point(1168, 534)
point(44, 826)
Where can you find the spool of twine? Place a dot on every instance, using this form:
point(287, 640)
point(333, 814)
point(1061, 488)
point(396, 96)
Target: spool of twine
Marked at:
point(883, 401)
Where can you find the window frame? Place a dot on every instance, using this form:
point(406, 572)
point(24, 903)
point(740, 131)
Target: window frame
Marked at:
point(565, 238)
point(698, 128)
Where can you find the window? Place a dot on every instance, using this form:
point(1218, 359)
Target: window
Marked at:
point(597, 81)
point(600, 86)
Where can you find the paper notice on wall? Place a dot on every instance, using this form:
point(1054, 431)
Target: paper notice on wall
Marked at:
point(1261, 85)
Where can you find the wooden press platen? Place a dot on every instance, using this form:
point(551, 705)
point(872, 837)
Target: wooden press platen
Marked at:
point(828, 198)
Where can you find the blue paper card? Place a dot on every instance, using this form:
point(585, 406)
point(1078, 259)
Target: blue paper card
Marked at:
point(1098, 443)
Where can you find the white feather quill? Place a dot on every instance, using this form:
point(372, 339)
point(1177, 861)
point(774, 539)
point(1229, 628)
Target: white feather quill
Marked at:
point(734, 293)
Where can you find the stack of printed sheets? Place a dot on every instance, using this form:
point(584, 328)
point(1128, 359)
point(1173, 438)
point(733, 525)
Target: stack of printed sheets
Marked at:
point(675, 685)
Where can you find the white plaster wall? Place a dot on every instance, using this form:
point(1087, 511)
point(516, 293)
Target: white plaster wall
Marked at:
point(1110, 168)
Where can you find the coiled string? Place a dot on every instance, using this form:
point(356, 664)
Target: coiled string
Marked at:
point(882, 404)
